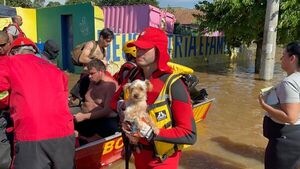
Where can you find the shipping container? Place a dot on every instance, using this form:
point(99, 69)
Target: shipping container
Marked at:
point(68, 26)
point(135, 18)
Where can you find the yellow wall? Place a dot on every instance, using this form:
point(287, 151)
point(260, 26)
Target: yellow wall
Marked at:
point(98, 20)
point(29, 22)
point(4, 22)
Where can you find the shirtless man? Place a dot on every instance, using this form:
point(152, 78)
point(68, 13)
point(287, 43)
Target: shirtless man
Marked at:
point(94, 50)
point(96, 116)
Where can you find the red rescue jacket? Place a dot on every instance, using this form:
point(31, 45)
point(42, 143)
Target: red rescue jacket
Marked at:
point(38, 98)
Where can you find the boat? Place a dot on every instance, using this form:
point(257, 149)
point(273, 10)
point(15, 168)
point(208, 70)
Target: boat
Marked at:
point(103, 152)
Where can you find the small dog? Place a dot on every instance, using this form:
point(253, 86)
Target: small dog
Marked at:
point(136, 106)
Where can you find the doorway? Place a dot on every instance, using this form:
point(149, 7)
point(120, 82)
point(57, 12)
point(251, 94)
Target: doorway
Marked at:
point(67, 42)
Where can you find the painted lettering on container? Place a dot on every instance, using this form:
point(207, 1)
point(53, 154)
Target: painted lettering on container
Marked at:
point(192, 46)
point(178, 47)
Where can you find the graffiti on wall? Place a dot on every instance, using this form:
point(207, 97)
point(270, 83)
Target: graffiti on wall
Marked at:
point(178, 46)
point(197, 46)
point(83, 24)
point(188, 50)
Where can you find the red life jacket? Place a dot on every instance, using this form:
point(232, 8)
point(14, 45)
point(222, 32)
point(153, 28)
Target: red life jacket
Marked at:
point(21, 33)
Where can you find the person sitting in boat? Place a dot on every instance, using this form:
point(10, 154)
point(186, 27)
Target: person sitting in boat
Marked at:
point(83, 53)
point(95, 118)
point(127, 68)
point(161, 149)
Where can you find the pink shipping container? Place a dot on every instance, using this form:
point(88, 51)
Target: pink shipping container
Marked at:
point(134, 18)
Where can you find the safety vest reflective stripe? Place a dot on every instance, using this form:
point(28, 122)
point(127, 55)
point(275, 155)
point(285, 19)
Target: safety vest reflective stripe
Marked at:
point(4, 94)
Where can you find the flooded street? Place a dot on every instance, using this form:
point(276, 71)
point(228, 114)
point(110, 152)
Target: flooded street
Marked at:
point(231, 135)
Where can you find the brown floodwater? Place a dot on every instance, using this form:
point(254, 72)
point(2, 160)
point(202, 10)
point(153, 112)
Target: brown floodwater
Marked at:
point(231, 135)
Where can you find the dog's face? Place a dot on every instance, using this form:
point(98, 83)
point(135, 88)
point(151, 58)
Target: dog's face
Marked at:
point(137, 90)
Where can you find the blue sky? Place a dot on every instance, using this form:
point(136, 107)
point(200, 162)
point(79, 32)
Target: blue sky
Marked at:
point(164, 3)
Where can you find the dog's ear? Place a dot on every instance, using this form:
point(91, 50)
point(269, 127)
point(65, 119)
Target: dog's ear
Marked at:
point(149, 85)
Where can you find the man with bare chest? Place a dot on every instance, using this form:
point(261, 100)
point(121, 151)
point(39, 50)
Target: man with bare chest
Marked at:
point(93, 49)
point(96, 116)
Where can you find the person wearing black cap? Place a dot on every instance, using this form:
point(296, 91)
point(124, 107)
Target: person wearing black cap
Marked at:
point(51, 51)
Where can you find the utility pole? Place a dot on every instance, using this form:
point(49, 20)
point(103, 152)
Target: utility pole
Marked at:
point(269, 41)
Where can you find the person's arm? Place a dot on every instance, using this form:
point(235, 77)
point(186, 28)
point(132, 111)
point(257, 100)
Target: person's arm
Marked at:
point(84, 56)
point(184, 131)
point(289, 104)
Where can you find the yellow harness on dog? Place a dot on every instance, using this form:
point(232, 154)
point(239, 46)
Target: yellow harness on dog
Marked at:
point(161, 114)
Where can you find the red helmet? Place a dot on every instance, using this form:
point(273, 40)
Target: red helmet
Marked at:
point(22, 41)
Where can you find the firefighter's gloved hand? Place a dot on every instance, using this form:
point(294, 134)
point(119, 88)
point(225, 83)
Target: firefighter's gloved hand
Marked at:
point(146, 130)
point(121, 106)
point(133, 136)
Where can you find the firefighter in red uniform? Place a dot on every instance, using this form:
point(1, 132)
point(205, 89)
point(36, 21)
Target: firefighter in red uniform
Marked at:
point(13, 30)
point(169, 106)
point(5, 157)
point(38, 101)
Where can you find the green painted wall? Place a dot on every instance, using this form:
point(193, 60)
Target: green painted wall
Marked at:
point(50, 27)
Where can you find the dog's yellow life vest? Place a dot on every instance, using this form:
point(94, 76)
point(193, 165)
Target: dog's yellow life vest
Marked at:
point(161, 114)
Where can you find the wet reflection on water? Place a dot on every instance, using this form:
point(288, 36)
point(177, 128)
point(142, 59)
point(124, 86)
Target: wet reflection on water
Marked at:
point(231, 135)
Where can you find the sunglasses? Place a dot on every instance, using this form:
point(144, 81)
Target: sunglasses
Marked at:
point(3, 44)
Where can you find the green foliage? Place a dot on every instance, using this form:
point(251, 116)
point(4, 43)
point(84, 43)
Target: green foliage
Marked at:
point(53, 4)
point(19, 3)
point(115, 2)
point(69, 2)
point(242, 21)
point(38, 3)
point(289, 22)
point(184, 30)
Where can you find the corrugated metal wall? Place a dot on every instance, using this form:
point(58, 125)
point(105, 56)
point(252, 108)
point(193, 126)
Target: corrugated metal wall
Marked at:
point(135, 18)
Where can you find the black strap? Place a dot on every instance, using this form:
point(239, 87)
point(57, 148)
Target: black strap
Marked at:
point(93, 49)
point(127, 148)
